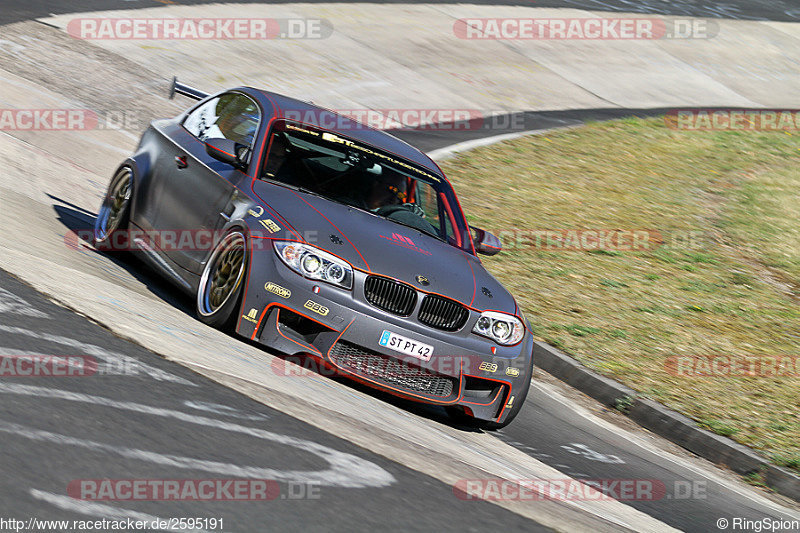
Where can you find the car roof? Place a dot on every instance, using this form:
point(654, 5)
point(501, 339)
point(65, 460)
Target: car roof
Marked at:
point(350, 129)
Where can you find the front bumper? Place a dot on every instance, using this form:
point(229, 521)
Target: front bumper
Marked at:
point(294, 315)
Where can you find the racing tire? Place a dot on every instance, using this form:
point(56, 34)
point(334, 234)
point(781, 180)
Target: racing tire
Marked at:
point(111, 223)
point(219, 292)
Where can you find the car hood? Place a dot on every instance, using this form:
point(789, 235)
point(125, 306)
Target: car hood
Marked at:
point(380, 246)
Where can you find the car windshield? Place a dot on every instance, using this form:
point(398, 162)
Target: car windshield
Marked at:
point(346, 172)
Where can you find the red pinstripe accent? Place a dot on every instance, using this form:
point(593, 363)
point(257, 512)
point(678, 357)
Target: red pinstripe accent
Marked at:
point(391, 390)
point(510, 389)
point(257, 166)
point(504, 312)
point(258, 324)
point(474, 282)
point(276, 215)
point(505, 401)
point(494, 399)
point(252, 182)
point(266, 145)
point(441, 174)
point(449, 211)
point(284, 306)
point(458, 203)
point(320, 248)
point(204, 144)
point(261, 153)
point(214, 96)
point(265, 238)
point(337, 229)
point(328, 355)
point(488, 379)
point(375, 384)
point(277, 327)
point(424, 291)
point(271, 101)
point(224, 152)
point(247, 281)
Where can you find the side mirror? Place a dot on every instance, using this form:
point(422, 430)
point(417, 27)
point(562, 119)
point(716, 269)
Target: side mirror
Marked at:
point(225, 150)
point(485, 242)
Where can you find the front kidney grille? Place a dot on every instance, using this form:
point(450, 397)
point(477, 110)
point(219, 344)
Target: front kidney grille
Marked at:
point(389, 295)
point(443, 313)
point(390, 371)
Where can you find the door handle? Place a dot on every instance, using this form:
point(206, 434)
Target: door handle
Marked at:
point(180, 161)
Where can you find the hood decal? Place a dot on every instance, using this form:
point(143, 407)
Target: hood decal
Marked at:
point(405, 242)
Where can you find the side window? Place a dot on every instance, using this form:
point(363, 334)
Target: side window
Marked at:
point(229, 116)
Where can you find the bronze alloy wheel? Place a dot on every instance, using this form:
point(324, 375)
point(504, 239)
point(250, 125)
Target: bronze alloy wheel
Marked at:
point(223, 274)
point(114, 210)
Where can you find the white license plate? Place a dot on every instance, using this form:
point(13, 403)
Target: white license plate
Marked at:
point(401, 344)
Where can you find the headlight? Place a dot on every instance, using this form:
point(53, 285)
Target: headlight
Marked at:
point(314, 263)
point(502, 328)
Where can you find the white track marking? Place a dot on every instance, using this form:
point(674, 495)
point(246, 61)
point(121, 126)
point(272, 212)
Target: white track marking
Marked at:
point(440, 154)
point(11, 303)
point(98, 509)
point(588, 453)
point(220, 409)
point(346, 470)
point(650, 450)
point(116, 363)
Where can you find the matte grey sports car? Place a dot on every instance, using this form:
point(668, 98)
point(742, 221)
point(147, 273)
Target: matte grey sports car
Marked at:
point(313, 234)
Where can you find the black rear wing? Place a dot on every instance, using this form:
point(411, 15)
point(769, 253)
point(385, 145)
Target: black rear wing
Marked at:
point(185, 90)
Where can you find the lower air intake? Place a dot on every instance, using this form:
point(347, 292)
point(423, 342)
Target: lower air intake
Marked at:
point(391, 371)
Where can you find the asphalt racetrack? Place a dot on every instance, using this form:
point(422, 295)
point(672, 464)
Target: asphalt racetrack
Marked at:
point(176, 400)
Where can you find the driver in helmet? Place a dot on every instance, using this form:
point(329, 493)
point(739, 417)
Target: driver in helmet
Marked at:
point(389, 188)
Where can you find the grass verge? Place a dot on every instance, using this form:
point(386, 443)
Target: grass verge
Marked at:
point(718, 277)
